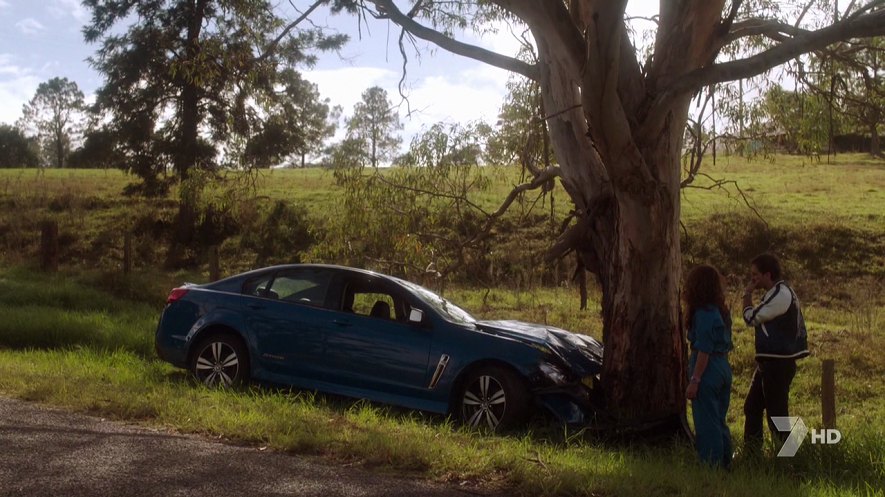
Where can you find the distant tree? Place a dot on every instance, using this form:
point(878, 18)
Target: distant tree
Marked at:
point(444, 145)
point(321, 125)
point(521, 132)
point(99, 150)
point(849, 76)
point(186, 80)
point(798, 119)
point(17, 150)
point(296, 126)
point(54, 116)
point(375, 123)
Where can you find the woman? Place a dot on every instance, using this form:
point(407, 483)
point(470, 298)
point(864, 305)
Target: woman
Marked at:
point(708, 322)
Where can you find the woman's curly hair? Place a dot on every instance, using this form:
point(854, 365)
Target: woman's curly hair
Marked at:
point(703, 286)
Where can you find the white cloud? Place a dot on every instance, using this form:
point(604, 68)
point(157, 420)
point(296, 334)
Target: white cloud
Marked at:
point(344, 86)
point(17, 86)
point(14, 93)
point(29, 26)
point(3, 4)
point(472, 94)
point(469, 95)
point(62, 8)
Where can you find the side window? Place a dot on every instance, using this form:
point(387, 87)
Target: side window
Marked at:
point(305, 286)
point(379, 305)
point(259, 286)
point(372, 298)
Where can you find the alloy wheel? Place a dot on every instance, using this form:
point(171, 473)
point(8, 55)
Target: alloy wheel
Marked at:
point(484, 403)
point(217, 365)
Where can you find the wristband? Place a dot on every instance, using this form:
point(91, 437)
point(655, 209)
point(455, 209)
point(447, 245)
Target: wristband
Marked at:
point(694, 380)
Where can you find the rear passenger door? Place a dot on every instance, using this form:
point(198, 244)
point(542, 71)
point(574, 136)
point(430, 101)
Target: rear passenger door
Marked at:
point(289, 317)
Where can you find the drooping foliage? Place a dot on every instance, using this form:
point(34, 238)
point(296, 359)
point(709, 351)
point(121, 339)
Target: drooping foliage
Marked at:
point(415, 218)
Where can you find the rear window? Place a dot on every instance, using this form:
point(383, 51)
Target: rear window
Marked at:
point(303, 286)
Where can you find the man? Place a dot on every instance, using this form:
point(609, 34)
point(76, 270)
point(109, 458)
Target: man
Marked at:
point(781, 338)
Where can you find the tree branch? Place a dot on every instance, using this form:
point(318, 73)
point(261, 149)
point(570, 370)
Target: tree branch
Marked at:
point(388, 10)
point(868, 25)
point(767, 27)
point(272, 47)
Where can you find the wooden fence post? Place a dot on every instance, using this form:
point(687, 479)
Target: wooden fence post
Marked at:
point(49, 246)
point(214, 269)
point(127, 253)
point(828, 393)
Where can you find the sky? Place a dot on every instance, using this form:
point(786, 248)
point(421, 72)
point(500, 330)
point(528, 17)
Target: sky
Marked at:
point(40, 40)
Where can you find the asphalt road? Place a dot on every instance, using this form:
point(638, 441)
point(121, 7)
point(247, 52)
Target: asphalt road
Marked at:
point(51, 452)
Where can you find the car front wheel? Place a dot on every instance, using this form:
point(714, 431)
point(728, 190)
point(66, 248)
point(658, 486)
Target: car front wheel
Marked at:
point(220, 360)
point(493, 398)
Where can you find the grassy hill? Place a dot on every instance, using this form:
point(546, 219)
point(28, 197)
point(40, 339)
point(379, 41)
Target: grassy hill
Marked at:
point(82, 338)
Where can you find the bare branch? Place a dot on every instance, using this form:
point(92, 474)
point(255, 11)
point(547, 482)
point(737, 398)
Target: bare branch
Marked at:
point(388, 10)
point(536, 182)
point(288, 29)
point(654, 19)
point(422, 191)
point(720, 184)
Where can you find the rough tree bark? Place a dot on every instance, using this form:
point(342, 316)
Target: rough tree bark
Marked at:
point(617, 132)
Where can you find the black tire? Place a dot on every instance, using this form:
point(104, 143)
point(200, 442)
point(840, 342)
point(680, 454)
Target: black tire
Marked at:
point(220, 360)
point(493, 398)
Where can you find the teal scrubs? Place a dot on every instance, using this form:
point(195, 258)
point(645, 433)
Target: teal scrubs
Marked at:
point(711, 333)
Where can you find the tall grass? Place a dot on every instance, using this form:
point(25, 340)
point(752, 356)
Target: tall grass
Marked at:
point(89, 350)
point(54, 312)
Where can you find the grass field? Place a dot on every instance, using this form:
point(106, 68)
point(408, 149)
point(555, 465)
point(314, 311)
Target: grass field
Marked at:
point(83, 338)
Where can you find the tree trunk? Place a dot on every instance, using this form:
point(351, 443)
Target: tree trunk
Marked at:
point(644, 366)
point(186, 156)
point(874, 140)
point(621, 166)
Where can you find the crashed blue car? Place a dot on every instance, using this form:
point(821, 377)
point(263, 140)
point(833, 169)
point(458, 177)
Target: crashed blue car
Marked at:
point(366, 335)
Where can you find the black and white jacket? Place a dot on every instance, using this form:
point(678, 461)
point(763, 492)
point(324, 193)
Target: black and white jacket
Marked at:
point(780, 327)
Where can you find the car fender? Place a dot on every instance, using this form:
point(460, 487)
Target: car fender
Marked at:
point(228, 319)
point(472, 352)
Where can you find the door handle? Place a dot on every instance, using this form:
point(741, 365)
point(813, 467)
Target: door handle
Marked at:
point(341, 322)
point(257, 307)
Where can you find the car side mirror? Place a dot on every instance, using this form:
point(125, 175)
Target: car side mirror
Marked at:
point(416, 316)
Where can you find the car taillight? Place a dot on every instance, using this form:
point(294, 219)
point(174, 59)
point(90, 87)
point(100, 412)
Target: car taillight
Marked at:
point(176, 294)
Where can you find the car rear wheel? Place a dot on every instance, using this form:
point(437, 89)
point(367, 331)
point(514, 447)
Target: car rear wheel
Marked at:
point(220, 360)
point(493, 398)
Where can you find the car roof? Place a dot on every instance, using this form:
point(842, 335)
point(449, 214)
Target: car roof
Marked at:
point(283, 267)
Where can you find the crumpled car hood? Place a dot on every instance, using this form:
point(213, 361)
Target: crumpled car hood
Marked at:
point(580, 352)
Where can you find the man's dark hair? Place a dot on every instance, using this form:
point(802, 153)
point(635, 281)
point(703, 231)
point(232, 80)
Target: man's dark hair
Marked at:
point(767, 263)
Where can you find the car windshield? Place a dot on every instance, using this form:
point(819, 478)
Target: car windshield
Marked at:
point(447, 309)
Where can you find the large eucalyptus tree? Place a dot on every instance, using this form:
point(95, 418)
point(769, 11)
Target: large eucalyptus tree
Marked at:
point(616, 125)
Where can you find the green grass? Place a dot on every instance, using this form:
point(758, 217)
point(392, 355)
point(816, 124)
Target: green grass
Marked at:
point(89, 350)
point(84, 338)
point(824, 219)
point(125, 386)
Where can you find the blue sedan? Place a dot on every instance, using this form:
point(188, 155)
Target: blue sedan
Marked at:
point(366, 335)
